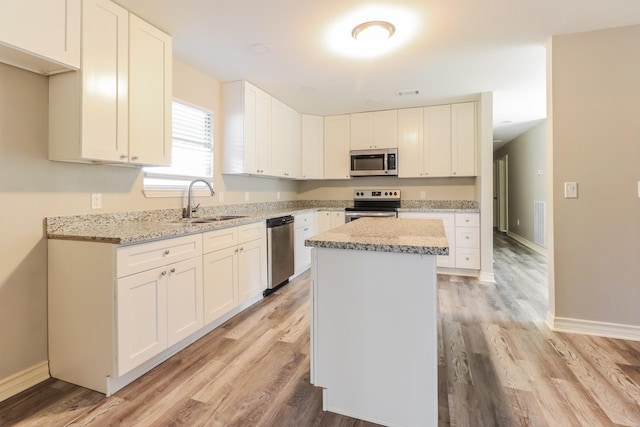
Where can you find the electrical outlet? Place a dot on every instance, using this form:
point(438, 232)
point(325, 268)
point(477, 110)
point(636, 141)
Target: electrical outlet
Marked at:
point(221, 197)
point(570, 190)
point(518, 222)
point(96, 201)
point(246, 196)
point(278, 195)
point(423, 195)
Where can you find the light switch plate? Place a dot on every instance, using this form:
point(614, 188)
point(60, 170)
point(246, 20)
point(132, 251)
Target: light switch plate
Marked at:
point(570, 190)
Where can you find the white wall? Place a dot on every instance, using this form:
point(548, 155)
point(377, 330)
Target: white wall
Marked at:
point(595, 141)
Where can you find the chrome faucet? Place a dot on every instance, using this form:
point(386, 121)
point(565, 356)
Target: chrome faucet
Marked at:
point(189, 210)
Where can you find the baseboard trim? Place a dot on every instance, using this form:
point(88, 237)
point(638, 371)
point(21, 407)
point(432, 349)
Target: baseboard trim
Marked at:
point(21, 381)
point(485, 277)
point(534, 247)
point(589, 327)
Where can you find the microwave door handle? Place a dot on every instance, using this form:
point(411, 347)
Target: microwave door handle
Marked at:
point(384, 162)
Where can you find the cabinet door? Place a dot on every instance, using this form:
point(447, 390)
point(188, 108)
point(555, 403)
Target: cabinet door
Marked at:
point(220, 283)
point(337, 219)
point(141, 318)
point(252, 269)
point(323, 221)
point(45, 29)
point(312, 147)
point(184, 299)
point(463, 139)
point(410, 143)
point(150, 82)
point(437, 141)
point(261, 129)
point(302, 253)
point(336, 147)
point(285, 140)
point(385, 129)
point(105, 69)
point(361, 131)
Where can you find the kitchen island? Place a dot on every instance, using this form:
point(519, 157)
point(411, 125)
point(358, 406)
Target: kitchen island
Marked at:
point(374, 319)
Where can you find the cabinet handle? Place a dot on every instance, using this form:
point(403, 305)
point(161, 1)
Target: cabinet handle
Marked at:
point(306, 229)
point(164, 273)
point(166, 252)
point(173, 270)
point(134, 158)
point(123, 157)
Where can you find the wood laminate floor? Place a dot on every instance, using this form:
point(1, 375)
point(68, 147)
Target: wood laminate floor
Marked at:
point(499, 365)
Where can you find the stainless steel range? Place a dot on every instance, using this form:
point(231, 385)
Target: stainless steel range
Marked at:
point(374, 203)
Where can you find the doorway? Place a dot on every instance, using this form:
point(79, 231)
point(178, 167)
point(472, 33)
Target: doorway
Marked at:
point(501, 196)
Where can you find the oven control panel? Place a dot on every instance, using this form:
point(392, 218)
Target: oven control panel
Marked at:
point(386, 194)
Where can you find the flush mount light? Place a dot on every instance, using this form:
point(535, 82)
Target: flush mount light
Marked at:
point(373, 31)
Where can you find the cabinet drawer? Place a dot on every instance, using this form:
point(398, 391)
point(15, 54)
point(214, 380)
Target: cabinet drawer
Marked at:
point(467, 237)
point(137, 258)
point(448, 219)
point(468, 258)
point(467, 220)
point(249, 232)
point(303, 220)
point(219, 239)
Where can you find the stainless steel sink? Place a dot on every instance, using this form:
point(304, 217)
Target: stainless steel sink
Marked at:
point(216, 218)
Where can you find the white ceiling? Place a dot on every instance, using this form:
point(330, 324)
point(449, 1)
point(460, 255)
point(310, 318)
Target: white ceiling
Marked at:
point(456, 49)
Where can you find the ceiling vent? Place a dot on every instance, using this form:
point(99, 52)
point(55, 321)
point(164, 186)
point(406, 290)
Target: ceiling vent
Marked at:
point(407, 92)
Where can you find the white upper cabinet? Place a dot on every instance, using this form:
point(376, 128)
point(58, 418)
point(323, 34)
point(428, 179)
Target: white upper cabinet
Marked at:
point(378, 129)
point(312, 147)
point(246, 129)
point(437, 141)
point(336, 147)
point(463, 139)
point(89, 110)
point(40, 36)
point(150, 79)
point(410, 143)
point(285, 140)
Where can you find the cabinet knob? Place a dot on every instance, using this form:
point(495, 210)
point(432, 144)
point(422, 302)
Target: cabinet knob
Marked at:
point(241, 249)
point(173, 270)
point(134, 158)
point(164, 273)
point(167, 252)
point(236, 251)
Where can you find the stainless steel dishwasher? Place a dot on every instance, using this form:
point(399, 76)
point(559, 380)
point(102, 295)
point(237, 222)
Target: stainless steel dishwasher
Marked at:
point(280, 265)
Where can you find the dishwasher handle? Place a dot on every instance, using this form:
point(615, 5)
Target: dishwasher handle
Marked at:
point(280, 221)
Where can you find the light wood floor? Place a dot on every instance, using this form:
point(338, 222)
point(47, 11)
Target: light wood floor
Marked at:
point(499, 366)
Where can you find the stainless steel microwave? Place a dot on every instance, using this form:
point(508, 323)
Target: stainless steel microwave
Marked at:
point(381, 162)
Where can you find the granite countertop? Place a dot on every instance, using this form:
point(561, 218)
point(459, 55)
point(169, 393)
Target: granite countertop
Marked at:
point(125, 228)
point(415, 236)
point(131, 231)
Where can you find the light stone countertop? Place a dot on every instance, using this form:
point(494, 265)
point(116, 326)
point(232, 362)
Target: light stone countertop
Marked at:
point(125, 228)
point(414, 236)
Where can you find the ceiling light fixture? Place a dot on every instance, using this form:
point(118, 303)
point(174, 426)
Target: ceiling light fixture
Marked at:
point(373, 31)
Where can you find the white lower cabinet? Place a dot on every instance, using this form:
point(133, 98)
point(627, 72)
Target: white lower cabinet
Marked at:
point(235, 268)
point(156, 309)
point(326, 220)
point(463, 235)
point(304, 229)
point(115, 312)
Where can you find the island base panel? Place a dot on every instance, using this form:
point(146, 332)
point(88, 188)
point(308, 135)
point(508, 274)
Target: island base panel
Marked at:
point(375, 335)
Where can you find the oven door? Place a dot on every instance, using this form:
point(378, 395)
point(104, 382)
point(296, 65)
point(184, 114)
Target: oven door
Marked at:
point(353, 215)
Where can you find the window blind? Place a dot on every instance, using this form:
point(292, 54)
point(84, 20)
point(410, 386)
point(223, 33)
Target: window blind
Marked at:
point(191, 151)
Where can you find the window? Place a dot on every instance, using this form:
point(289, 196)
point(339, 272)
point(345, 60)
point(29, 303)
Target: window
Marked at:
point(191, 150)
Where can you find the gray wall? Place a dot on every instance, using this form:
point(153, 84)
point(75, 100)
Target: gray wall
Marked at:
point(594, 138)
point(32, 188)
point(526, 156)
